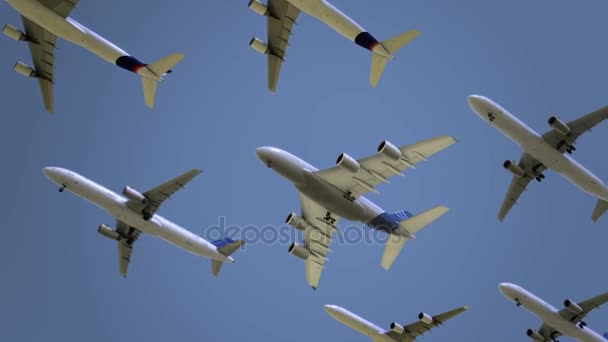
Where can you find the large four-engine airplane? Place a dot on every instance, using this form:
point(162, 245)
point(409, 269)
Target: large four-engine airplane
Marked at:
point(567, 321)
point(397, 332)
point(282, 15)
point(326, 195)
point(45, 20)
point(135, 213)
point(543, 152)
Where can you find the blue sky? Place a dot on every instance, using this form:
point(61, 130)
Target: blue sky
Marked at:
point(61, 279)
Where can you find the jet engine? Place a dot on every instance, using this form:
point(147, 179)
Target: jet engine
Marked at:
point(347, 163)
point(424, 318)
point(533, 334)
point(134, 195)
point(296, 222)
point(389, 150)
point(559, 125)
point(298, 250)
point(514, 168)
point(572, 306)
point(24, 69)
point(108, 232)
point(259, 46)
point(13, 32)
point(396, 327)
point(258, 7)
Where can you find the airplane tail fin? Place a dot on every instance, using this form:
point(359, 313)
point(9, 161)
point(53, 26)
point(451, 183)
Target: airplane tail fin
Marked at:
point(600, 209)
point(391, 46)
point(226, 247)
point(411, 225)
point(157, 70)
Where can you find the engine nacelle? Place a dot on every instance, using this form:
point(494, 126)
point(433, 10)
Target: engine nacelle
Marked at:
point(258, 7)
point(559, 125)
point(13, 32)
point(387, 149)
point(573, 306)
point(298, 250)
point(348, 163)
point(296, 222)
point(533, 334)
point(24, 69)
point(259, 46)
point(134, 195)
point(108, 232)
point(514, 168)
point(424, 318)
point(397, 328)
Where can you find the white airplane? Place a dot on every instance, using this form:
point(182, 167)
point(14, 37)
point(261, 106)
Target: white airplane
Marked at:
point(326, 195)
point(135, 213)
point(397, 332)
point(568, 321)
point(45, 20)
point(543, 152)
point(282, 15)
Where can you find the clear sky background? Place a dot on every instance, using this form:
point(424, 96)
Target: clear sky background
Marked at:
point(60, 279)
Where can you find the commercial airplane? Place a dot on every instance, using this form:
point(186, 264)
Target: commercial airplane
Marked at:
point(543, 152)
point(567, 321)
point(397, 332)
point(135, 213)
point(282, 15)
point(326, 195)
point(45, 20)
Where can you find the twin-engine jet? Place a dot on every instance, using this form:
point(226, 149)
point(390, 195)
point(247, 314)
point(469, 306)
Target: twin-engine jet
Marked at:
point(45, 20)
point(282, 15)
point(326, 195)
point(543, 152)
point(397, 332)
point(567, 321)
point(135, 213)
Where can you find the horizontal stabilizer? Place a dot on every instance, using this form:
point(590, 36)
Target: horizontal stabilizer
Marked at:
point(415, 223)
point(391, 45)
point(158, 69)
point(226, 247)
point(600, 209)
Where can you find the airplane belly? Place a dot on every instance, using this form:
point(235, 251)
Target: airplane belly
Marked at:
point(49, 20)
point(331, 16)
point(332, 199)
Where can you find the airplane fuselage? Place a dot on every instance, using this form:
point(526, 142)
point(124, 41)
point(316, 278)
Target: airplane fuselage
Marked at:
point(76, 33)
point(548, 314)
point(357, 323)
point(116, 205)
point(341, 23)
point(302, 176)
point(532, 143)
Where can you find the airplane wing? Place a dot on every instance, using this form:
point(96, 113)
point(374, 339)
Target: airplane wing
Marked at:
point(533, 168)
point(317, 237)
point(587, 306)
point(42, 48)
point(379, 168)
point(125, 245)
point(412, 331)
point(162, 192)
point(577, 128)
point(282, 16)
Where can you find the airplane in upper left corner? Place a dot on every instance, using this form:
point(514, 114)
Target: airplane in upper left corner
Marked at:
point(45, 20)
point(135, 213)
point(282, 15)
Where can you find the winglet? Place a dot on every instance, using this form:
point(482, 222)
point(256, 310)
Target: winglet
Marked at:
point(226, 247)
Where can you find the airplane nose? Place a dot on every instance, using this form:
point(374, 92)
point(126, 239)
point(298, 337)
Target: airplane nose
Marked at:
point(261, 152)
point(505, 288)
point(331, 309)
point(49, 172)
point(475, 102)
